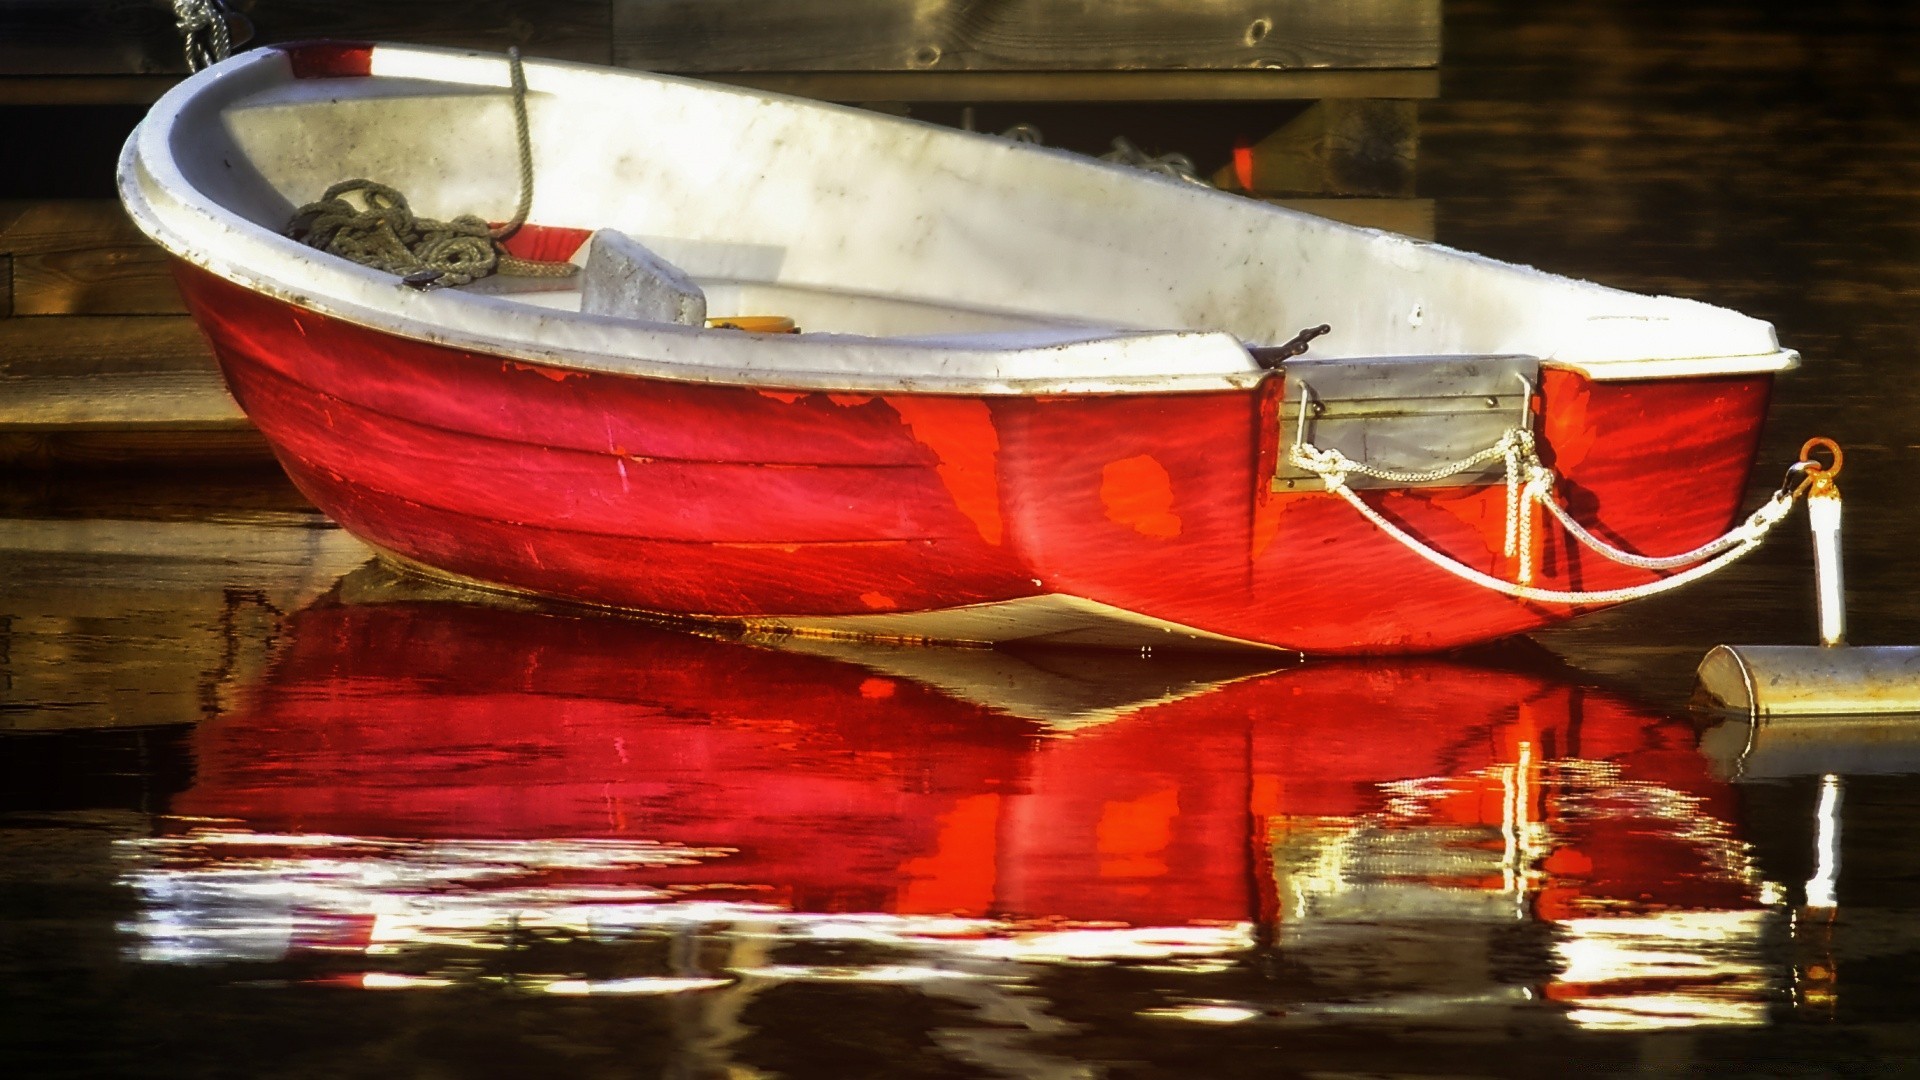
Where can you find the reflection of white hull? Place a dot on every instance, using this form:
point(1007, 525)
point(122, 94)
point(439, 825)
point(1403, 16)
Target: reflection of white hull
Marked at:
point(237, 896)
point(1384, 882)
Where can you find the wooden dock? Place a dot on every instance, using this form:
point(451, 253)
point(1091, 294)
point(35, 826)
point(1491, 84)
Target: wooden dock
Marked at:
point(1307, 103)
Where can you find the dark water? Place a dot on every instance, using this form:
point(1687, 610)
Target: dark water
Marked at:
point(267, 811)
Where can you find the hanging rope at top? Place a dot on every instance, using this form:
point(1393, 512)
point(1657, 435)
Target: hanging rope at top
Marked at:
point(371, 224)
point(1530, 486)
point(204, 35)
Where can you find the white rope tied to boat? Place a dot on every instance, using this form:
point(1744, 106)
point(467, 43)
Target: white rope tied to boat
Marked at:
point(1530, 485)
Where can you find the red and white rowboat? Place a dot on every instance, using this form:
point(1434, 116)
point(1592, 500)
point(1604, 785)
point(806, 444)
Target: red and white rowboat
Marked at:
point(1025, 406)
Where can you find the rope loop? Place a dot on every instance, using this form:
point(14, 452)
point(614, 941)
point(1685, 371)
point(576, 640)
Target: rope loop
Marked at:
point(1530, 488)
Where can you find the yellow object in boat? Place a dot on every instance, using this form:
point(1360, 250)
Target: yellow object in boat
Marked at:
point(755, 324)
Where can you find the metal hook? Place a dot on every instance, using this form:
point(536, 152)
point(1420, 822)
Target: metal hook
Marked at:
point(1300, 426)
point(1271, 356)
point(1526, 401)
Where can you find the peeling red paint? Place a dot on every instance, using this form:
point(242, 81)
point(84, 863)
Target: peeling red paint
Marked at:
point(545, 372)
point(961, 434)
point(1566, 427)
point(1138, 492)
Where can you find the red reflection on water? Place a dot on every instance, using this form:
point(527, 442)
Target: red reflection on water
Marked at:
point(839, 787)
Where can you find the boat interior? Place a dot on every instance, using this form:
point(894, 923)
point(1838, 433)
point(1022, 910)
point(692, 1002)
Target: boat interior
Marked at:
point(851, 224)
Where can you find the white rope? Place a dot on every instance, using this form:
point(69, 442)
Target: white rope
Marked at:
point(1523, 481)
point(1751, 532)
point(1530, 484)
point(1645, 562)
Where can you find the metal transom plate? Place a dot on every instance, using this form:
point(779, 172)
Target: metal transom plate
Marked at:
point(1405, 413)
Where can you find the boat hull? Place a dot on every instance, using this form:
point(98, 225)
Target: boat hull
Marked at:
point(877, 513)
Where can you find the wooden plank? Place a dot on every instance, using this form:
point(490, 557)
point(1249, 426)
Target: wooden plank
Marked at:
point(137, 37)
point(259, 492)
point(85, 257)
point(11, 209)
point(1023, 35)
point(147, 448)
point(47, 37)
point(577, 30)
point(102, 371)
point(1087, 86)
point(1335, 147)
point(924, 86)
point(84, 89)
point(1408, 217)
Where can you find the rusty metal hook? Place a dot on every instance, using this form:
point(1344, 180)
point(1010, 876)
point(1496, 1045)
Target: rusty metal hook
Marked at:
point(1272, 356)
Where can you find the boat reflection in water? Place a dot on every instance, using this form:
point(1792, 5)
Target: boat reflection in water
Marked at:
point(432, 794)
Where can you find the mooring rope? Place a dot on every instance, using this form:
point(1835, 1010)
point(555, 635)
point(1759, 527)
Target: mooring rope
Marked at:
point(204, 36)
point(371, 224)
point(1530, 484)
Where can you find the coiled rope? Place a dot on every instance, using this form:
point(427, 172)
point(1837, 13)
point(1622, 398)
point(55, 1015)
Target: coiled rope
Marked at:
point(1530, 485)
point(371, 224)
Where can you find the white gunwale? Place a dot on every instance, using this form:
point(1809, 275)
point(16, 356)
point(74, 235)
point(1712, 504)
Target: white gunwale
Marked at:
point(1103, 279)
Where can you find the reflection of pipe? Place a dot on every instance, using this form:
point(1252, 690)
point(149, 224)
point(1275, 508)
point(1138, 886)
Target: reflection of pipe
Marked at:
point(1815, 975)
point(1777, 748)
point(1826, 846)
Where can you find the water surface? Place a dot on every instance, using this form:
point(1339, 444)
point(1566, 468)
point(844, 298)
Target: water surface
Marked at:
point(269, 810)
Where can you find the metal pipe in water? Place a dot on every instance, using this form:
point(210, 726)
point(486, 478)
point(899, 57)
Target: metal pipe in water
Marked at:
point(1829, 680)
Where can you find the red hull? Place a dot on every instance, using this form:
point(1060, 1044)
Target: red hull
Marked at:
point(726, 501)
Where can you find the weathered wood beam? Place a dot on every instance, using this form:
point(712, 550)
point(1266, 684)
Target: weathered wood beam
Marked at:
point(16, 89)
point(557, 29)
point(1335, 147)
point(78, 372)
point(1088, 86)
point(1023, 35)
point(137, 37)
point(61, 37)
point(142, 447)
point(928, 86)
point(84, 257)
